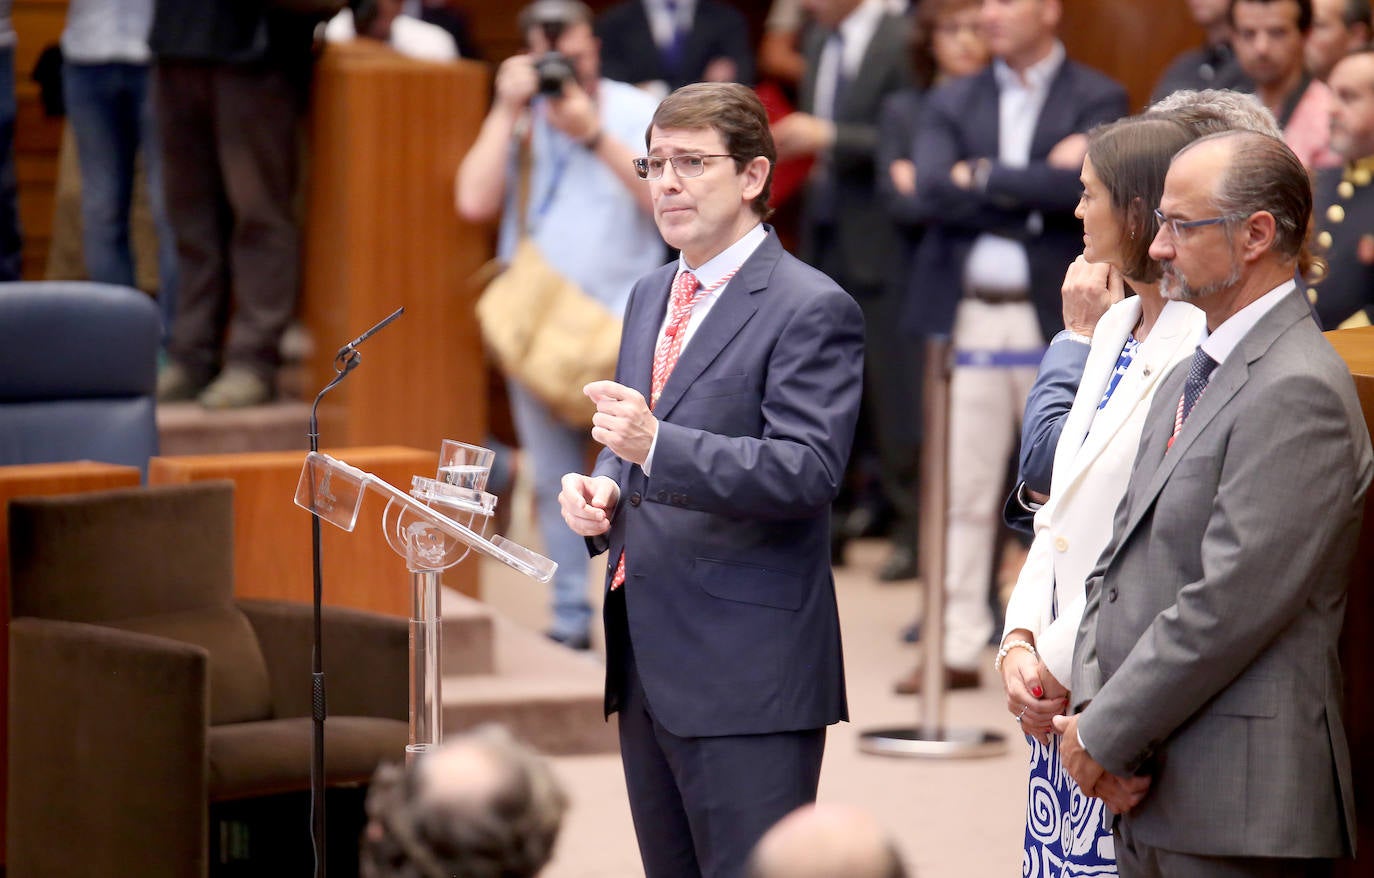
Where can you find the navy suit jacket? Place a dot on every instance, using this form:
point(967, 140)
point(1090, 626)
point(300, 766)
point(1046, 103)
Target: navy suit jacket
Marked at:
point(1034, 204)
point(629, 53)
point(867, 244)
point(729, 594)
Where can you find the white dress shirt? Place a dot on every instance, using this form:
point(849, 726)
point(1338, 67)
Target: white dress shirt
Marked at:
point(663, 24)
point(995, 262)
point(1219, 344)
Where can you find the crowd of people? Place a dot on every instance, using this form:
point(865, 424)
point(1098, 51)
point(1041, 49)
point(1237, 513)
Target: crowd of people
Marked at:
point(1096, 272)
point(1133, 302)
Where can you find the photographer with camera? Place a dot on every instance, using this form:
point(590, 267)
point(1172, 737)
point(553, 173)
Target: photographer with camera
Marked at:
point(553, 159)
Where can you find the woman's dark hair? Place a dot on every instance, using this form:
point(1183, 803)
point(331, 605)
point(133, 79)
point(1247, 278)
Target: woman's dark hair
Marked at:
point(1131, 156)
point(922, 43)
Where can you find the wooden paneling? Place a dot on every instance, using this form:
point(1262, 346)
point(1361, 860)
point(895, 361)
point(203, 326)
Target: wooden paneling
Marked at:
point(38, 24)
point(272, 556)
point(1356, 347)
point(1131, 41)
point(30, 480)
point(388, 133)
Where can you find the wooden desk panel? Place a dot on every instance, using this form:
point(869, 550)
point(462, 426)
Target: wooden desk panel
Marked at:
point(28, 480)
point(1356, 347)
point(272, 557)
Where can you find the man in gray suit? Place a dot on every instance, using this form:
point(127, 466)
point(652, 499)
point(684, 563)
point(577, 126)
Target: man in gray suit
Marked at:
point(1206, 664)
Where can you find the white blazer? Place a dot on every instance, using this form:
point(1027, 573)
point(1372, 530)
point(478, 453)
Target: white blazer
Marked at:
point(1092, 465)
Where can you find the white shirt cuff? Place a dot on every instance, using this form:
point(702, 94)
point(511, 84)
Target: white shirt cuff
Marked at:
point(649, 458)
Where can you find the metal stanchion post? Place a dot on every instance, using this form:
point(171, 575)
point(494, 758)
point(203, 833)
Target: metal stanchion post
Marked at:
point(931, 738)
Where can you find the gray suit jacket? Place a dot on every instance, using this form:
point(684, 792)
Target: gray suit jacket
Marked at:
point(1208, 645)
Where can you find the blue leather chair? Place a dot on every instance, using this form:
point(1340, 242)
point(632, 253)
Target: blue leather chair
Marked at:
point(78, 373)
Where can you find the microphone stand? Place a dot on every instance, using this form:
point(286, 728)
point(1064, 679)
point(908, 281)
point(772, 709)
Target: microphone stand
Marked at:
point(345, 361)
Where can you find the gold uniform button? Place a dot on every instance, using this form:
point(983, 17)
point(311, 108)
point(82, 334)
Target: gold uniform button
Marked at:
point(1324, 240)
point(1362, 176)
point(1335, 213)
point(1312, 295)
point(1061, 545)
point(1346, 189)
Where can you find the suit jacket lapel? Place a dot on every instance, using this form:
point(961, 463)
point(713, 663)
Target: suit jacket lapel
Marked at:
point(813, 42)
point(887, 41)
point(1174, 329)
point(983, 127)
point(1226, 381)
point(642, 338)
point(1056, 113)
point(727, 317)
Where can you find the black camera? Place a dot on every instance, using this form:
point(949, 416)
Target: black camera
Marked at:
point(554, 69)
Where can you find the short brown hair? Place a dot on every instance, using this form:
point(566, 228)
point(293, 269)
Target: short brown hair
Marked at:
point(1304, 12)
point(1131, 157)
point(732, 111)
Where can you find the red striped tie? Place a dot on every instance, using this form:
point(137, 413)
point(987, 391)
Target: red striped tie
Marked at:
point(686, 290)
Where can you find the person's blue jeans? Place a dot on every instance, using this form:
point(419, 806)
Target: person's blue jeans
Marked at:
point(11, 241)
point(111, 114)
point(554, 449)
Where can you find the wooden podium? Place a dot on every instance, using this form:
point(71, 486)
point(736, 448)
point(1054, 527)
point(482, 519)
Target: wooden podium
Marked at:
point(387, 133)
point(1356, 347)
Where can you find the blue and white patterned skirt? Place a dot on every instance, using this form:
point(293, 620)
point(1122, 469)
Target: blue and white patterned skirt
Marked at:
point(1068, 834)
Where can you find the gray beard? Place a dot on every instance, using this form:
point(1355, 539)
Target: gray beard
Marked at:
point(1175, 287)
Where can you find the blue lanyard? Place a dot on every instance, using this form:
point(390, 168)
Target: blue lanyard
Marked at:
point(560, 159)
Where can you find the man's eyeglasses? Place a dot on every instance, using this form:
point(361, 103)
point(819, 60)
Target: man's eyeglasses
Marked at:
point(688, 164)
point(1180, 228)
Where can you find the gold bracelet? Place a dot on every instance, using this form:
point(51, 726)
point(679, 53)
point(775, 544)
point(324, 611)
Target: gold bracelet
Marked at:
point(1008, 647)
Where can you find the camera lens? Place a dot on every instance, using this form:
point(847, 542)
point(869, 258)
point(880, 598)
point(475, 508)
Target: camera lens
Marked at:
point(554, 69)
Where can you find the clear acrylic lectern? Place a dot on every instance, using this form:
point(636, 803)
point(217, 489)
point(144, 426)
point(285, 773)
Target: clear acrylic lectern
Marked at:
point(423, 527)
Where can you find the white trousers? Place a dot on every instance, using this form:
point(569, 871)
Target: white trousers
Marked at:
point(985, 409)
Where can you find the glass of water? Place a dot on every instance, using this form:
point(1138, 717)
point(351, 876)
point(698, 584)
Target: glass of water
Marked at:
point(464, 465)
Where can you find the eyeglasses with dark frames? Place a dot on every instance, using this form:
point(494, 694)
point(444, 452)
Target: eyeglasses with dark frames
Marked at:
point(1180, 228)
point(687, 164)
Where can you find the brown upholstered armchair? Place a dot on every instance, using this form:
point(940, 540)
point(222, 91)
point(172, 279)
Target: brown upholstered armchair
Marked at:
point(142, 691)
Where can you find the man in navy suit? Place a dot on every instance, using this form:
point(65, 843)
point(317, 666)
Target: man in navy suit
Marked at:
point(669, 43)
point(997, 160)
point(713, 494)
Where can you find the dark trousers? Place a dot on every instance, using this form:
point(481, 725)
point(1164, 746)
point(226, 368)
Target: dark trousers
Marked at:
point(700, 804)
point(11, 240)
point(230, 156)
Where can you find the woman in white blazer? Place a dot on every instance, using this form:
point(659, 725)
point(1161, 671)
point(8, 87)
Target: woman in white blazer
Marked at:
point(1135, 343)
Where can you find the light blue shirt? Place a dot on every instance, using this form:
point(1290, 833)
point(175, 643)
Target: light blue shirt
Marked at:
point(107, 31)
point(586, 223)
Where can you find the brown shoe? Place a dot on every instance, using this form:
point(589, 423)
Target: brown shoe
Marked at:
point(955, 678)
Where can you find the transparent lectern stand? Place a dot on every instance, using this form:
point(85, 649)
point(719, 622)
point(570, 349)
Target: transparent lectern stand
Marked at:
point(422, 528)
